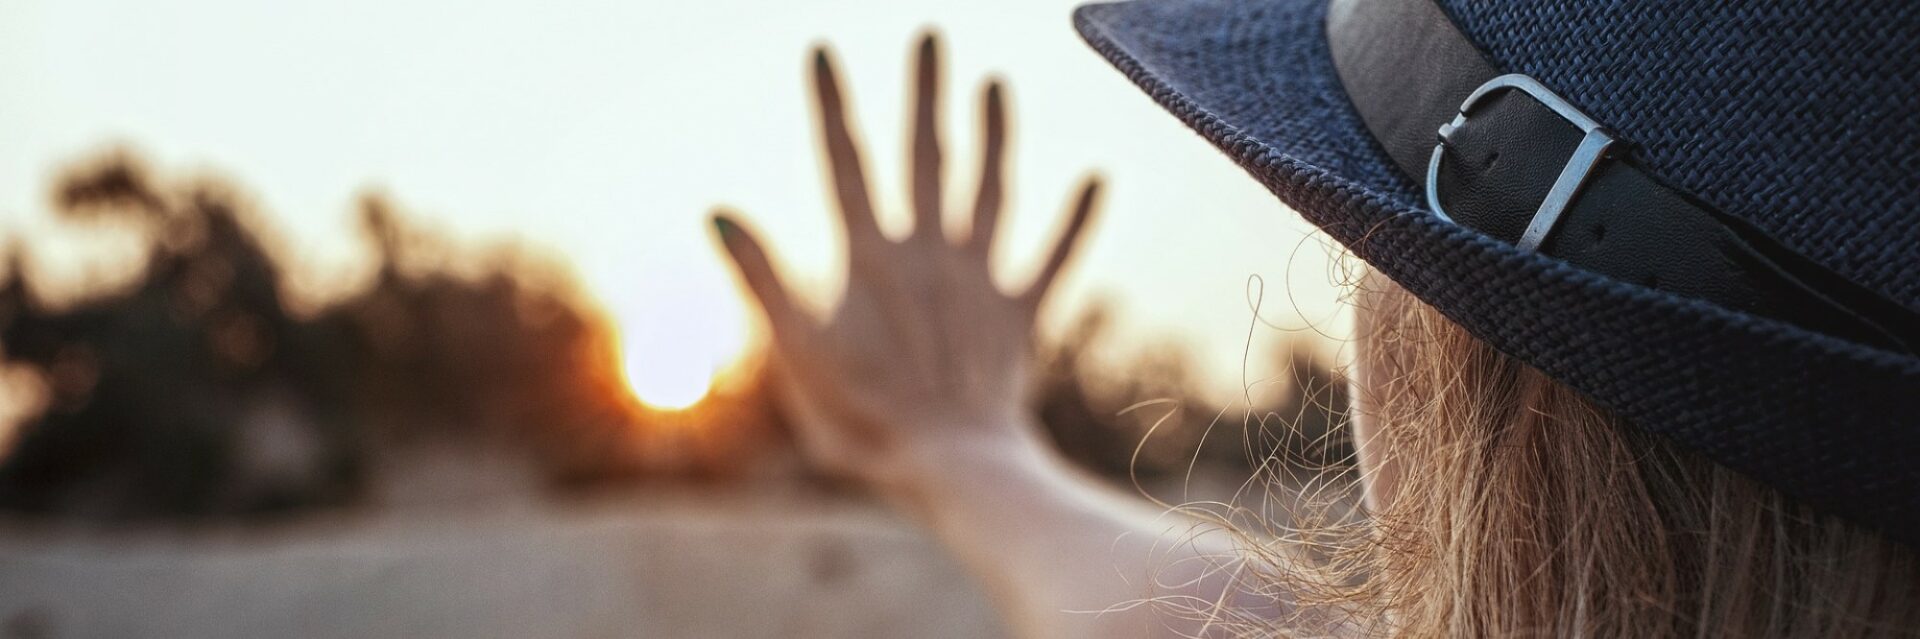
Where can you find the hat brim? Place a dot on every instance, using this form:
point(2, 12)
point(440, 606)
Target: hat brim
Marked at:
point(1826, 420)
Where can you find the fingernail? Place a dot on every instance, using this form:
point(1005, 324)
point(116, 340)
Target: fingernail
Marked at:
point(725, 227)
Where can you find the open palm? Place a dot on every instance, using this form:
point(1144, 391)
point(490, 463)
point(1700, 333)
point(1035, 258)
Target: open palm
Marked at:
point(924, 353)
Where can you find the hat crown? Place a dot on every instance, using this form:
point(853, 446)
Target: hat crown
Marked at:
point(1801, 118)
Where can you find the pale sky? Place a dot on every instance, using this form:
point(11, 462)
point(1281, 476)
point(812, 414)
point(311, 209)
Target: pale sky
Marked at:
point(603, 132)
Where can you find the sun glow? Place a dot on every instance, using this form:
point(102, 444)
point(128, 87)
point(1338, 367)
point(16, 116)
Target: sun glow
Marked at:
point(663, 387)
point(672, 364)
point(676, 337)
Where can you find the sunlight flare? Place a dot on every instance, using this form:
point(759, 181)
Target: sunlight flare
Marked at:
point(666, 386)
point(676, 339)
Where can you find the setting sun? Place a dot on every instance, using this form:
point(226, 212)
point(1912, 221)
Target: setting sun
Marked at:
point(672, 365)
point(670, 387)
point(676, 336)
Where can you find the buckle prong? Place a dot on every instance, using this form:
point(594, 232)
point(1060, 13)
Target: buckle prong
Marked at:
point(1580, 166)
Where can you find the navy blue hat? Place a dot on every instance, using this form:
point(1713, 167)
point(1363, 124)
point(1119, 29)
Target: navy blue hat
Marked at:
point(1703, 215)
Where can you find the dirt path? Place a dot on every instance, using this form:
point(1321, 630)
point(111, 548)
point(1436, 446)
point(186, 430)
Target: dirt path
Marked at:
point(654, 565)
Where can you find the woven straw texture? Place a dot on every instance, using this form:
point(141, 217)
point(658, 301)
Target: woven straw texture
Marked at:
point(1827, 421)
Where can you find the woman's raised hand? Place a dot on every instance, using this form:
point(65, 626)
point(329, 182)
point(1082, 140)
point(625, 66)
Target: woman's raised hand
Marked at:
point(924, 357)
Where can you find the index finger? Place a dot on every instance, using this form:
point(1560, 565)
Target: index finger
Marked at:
point(843, 155)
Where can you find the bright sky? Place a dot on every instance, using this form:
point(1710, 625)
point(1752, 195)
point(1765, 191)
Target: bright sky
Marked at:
point(605, 131)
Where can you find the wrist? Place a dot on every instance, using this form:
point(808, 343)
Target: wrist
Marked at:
point(936, 470)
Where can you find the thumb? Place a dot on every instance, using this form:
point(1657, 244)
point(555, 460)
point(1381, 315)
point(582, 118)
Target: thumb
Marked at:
point(757, 272)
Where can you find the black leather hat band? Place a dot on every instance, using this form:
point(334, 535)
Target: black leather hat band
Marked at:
point(1520, 164)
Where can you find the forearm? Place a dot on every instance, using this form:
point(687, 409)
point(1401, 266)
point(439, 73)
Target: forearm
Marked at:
point(1064, 557)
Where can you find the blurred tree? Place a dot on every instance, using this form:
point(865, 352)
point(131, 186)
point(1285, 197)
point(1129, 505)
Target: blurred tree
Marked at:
point(145, 383)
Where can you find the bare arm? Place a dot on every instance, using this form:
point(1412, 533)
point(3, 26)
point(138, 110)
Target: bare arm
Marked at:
point(913, 384)
point(1065, 557)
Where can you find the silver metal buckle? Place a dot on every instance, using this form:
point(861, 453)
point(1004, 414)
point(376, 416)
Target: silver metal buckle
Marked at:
point(1579, 167)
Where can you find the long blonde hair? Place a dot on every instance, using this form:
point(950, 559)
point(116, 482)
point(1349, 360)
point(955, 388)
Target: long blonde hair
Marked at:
point(1522, 509)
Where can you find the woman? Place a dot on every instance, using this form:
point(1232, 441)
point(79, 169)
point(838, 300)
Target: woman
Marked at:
point(1642, 366)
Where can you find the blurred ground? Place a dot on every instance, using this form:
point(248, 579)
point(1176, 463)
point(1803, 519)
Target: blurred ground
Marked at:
point(763, 563)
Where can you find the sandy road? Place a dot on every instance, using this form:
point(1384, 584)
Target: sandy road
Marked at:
point(707, 564)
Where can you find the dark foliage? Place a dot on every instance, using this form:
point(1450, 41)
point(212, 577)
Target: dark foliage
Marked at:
point(195, 391)
point(144, 386)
